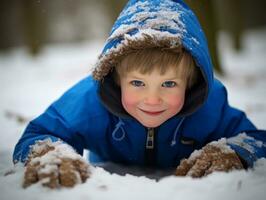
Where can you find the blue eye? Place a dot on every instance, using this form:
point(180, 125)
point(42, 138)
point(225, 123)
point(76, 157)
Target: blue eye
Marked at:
point(169, 84)
point(137, 83)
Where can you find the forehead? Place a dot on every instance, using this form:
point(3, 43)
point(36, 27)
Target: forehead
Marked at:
point(170, 72)
point(146, 60)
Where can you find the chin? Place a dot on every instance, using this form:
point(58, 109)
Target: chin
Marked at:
point(151, 125)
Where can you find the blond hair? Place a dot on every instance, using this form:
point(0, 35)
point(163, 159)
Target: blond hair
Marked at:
point(147, 60)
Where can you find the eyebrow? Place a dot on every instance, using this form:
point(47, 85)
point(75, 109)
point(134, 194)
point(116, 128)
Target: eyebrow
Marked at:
point(169, 79)
point(174, 78)
point(134, 77)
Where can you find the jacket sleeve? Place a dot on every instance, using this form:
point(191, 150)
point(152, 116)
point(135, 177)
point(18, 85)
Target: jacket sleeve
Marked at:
point(72, 118)
point(242, 136)
point(49, 125)
point(249, 145)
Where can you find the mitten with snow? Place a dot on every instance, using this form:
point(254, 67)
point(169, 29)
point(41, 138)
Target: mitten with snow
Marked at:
point(215, 156)
point(55, 165)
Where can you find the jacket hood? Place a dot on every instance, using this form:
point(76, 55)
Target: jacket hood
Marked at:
point(142, 24)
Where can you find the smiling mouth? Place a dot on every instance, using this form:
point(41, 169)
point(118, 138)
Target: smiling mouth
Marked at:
point(153, 113)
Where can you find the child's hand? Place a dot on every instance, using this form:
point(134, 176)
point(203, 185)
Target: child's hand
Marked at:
point(55, 165)
point(215, 156)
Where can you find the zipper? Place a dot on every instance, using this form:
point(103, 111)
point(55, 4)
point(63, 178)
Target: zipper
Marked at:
point(150, 151)
point(150, 139)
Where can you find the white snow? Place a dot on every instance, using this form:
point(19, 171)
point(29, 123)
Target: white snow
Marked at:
point(61, 150)
point(48, 168)
point(153, 20)
point(221, 144)
point(133, 8)
point(241, 140)
point(29, 85)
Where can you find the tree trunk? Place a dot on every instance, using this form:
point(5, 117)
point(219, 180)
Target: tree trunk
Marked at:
point(204, 9)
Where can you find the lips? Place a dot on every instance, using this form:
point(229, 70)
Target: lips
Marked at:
point(153, 113)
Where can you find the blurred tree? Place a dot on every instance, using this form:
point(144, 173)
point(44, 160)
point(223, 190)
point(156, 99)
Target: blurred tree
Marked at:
point(204, 9)
point(10, 24)
point(232, 16)
point(36, 22)
point(34, 25)
point(114, 7)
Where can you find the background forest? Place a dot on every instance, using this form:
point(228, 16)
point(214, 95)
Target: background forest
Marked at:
point(35, 23)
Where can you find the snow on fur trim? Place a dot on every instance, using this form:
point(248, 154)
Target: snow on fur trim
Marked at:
point(143, 39)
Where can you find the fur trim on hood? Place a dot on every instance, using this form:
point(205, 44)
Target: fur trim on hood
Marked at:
point(142, 40)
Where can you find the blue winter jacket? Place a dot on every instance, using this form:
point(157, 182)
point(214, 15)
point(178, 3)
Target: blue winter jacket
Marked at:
point(90, 115)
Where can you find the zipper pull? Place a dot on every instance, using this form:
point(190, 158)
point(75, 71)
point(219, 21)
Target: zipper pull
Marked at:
point(150, 139)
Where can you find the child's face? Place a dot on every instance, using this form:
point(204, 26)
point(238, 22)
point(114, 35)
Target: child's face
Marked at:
point(152, 98)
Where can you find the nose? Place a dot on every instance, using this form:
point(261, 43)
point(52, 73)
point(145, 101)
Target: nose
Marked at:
point(152, 99)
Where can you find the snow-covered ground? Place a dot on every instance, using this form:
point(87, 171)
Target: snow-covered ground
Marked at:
point(29, 85)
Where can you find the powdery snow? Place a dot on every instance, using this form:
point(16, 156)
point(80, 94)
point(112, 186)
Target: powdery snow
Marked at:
point(153, 20)
point(221, 144)
point(242, 140)
point(29, 85)
point(133, 8)
point(61, 150)
point(103, 185)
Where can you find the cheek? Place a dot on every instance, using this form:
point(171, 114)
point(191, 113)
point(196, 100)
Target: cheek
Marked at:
point(175, 102)
point(129, 100)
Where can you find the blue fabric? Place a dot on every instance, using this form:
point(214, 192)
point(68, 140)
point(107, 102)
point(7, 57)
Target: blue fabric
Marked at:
point(79, 118)
point(247, 147)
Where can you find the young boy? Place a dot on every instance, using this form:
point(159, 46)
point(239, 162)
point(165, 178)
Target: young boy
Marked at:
point(151, 101)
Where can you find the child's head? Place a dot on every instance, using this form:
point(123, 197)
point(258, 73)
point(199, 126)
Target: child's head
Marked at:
point(151, 59)
point(153, 83)
point(146, 40)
